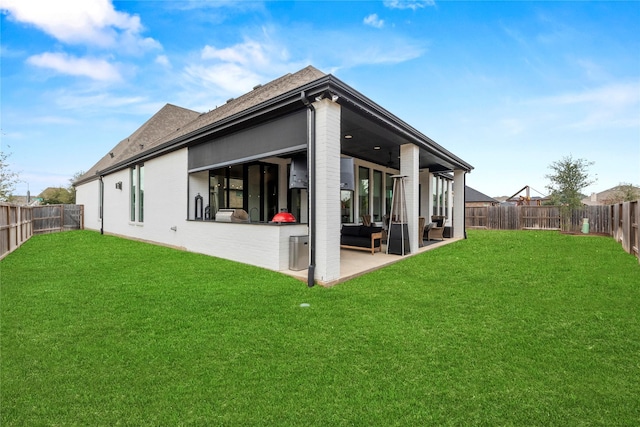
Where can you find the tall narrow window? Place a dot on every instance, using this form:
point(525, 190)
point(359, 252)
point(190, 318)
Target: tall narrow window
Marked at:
point(388, 193)
point(141, 193)
point(346, 204)
point(363, 191)
point(378, 195)
point(133, 179)
point(136, 190)
point(217, 198)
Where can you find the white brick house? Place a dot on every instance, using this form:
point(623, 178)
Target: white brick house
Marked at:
point(167, 182)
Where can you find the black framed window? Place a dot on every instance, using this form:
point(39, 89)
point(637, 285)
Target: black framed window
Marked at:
point(252, 187)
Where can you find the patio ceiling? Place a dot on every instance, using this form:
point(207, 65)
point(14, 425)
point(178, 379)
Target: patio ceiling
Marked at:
point(376, 143)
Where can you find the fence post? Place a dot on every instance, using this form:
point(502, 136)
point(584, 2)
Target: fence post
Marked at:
point(635, 238)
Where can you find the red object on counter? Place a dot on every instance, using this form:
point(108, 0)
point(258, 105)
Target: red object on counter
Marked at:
point(283, 217)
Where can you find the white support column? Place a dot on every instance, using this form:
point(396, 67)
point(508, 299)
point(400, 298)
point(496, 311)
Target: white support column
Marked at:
point(438, 194)
point(458, 203)
point(409, 167)
point(430, 203)
point(327, 188)
point(425, 194)
point(449, 202)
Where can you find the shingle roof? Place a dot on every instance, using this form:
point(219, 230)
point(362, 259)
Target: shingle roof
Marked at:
point(259, 94)
point(168, 119)
point(604, 197)
point(472, 195)
point(172, 122)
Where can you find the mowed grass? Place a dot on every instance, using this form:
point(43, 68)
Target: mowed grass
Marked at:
point(505, 328)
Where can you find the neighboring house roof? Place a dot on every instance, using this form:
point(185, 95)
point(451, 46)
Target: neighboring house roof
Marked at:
point(473, 195)
point(605, 197)
point(285, 94)
point(25, 200)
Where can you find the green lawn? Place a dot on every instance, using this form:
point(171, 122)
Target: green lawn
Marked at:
point(505, 328)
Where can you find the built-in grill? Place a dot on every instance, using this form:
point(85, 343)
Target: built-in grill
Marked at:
point(232, 215)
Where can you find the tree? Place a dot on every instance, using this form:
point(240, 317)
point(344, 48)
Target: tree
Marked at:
point(72, 188)
point(624, 192)
point(56, 196)
point(568, 178)
point(8, 178)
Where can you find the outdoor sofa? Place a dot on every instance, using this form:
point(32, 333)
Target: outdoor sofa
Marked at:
point(361, 237)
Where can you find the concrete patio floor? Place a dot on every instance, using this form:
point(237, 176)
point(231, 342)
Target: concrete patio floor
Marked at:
point(354, 263)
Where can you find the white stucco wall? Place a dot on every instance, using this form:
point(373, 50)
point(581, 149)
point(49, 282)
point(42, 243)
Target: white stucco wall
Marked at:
point(89, 195)
point(167, 206)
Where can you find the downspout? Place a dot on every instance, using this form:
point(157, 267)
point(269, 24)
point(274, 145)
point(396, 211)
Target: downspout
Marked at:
point(311, 160)
point(101, 205)
point(464, 217)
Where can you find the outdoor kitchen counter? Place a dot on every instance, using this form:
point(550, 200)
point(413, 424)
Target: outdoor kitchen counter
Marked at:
point(265, 244)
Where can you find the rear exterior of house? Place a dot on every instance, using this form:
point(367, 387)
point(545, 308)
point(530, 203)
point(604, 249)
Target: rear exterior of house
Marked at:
point(181, 177)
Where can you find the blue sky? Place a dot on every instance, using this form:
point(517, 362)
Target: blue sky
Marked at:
point(509, 87)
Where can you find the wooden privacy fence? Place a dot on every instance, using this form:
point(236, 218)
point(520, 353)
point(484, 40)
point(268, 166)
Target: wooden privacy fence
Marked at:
point(624, 227)
point(54, 218)
point(19, 223)
point(619, 221)
point(510, 217)
point(16, 227)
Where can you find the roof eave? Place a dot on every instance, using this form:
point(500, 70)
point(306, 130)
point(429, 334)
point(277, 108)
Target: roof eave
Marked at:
point(327, 85)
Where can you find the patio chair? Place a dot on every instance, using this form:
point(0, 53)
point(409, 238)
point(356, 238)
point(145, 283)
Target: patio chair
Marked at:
point(366, 220)
point(432, 231)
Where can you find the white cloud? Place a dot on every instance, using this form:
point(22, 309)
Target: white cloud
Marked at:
point(390, 50)
point(612, 106)
point(163, 60)
point(91, 22)
point(374, 21)
point(215, 4)
point(99, 101)
point(236, 69)
point(409, 4)
point(55, 120)
point(7, 52)
point(249, 53)
point(228, 78)
point(613, 96)
point(592, 70)
point(96, 69)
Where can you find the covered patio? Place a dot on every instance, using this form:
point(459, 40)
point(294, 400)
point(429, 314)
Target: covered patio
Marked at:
point(214, 182)
point(357, 263)
point(305, 138)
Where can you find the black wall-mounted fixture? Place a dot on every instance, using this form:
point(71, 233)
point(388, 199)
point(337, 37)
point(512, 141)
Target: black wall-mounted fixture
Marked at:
point(198, 207)
point(119, 185)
